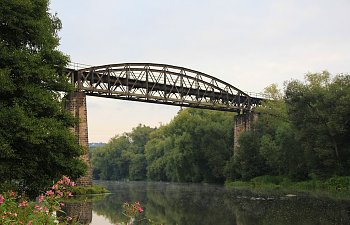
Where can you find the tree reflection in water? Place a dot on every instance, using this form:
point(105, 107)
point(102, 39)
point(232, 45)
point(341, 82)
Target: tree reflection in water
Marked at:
point(166, 203)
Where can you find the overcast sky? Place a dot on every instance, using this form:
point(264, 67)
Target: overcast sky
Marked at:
point(249, 44)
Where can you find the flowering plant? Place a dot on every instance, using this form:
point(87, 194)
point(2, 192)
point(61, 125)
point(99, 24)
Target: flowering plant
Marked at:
point(131, 211)
point(18, 209)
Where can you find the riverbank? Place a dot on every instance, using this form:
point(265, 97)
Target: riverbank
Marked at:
point(89, 190)
point(335, 187)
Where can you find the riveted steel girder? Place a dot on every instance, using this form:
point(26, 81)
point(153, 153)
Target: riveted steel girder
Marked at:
point(162, 84)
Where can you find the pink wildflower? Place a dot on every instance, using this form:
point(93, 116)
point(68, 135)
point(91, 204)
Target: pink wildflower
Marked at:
point(23, 204)
point(140, 210)
point(2, 199)
point(41, 198)
point(49, 192)
point(60, 193)
point(61, 204)
point(29, 223)
point(66, 180)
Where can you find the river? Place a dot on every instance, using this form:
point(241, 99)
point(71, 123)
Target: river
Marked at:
point(187, 204)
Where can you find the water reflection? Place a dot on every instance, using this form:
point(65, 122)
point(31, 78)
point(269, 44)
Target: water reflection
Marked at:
point(210, 204)
point(81, 211)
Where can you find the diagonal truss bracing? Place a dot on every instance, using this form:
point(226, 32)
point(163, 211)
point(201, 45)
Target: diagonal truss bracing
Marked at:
point(162, 84)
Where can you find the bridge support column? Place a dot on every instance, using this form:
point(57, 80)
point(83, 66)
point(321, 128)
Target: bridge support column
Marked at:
point(76, 104)
point(243, 122)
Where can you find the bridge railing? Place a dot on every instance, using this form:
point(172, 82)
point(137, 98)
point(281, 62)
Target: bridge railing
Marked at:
point(258, 95)
point(77, 66)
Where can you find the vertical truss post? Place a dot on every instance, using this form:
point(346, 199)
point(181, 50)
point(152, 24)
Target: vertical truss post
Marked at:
point(92, 79)
point(109, 81)
point(127, 74)
point(164, 83)
point(79, 81)
point(182, 86)
point(147, 87)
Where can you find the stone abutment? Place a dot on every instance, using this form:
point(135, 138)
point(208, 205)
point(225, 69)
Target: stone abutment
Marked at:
point(243, 122)
point(76, 104)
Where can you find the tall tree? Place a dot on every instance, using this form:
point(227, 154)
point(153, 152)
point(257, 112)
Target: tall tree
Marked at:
point(193, 147)
point(271, 147)
point(36, 145)
point(279, 144)
point(319, 108)
point(122, 158)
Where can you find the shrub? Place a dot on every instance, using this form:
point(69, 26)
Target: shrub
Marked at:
point(338, 184)
point(18, 209)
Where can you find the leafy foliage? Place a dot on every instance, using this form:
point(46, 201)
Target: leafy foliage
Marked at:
point(320, 110)
point(194, 147)
point(300, 134)
point(18, 209)
point(36, 145)
point(123, 156)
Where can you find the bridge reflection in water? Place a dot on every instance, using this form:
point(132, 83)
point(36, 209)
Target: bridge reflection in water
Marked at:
point(79, 211)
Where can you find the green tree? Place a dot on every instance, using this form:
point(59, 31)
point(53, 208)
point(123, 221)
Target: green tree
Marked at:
point(138, 164)
point(319, 109)
point(155, 150)
point(122, 158)
point(279, 144)
point(36, 146)
point(247, 163)
point(271, 147)
point(193, 147)
point(111, 161)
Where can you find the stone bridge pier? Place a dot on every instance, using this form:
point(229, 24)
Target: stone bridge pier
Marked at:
point(79, 211)
point(243, 122)
point(76, 104)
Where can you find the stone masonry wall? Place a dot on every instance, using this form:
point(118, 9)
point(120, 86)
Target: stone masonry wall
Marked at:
point(77, 106)
point(243, 122)
point(81, 211)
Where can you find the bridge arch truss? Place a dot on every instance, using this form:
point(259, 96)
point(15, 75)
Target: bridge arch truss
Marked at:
point(162, 84)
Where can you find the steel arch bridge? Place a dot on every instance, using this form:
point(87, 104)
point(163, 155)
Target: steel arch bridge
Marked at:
point(161, 84)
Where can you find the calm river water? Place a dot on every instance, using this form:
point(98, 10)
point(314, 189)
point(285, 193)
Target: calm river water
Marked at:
point(171, 203)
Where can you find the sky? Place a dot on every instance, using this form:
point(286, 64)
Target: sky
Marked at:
point(249, 44)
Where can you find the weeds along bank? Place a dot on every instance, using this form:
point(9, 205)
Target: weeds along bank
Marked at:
point(334, 187)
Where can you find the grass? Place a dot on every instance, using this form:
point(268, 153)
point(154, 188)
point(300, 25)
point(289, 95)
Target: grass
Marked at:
point(90, 190)
point(335, 187)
